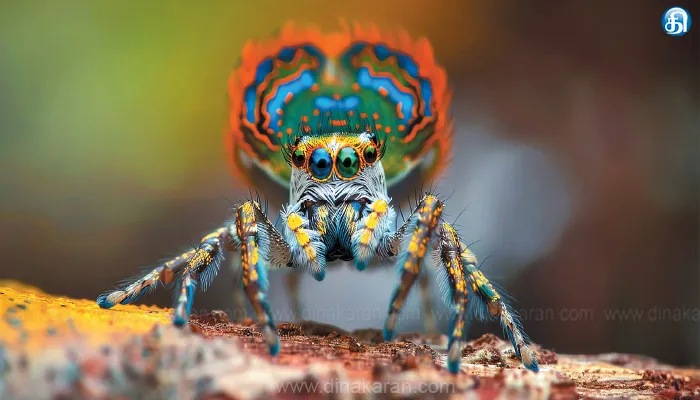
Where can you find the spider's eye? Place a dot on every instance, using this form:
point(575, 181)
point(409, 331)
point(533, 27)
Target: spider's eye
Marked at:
point(348, 162)
point(370, 154)
point(298, 158)
point(320, 163)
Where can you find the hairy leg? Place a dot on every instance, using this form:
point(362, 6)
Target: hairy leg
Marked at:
point(198, 265)
point(492, 302)
point(457, 265)
point(413, 240)
point(260, 246)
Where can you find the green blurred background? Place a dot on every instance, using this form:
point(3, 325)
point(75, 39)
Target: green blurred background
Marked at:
point(111, 155)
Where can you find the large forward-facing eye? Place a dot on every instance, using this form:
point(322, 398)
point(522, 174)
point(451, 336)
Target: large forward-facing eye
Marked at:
point(370, 154)
point(320, 163)
point(348, 162)
point(298, 158)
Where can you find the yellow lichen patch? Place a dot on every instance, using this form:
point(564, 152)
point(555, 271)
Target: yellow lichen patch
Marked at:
point(32, 319)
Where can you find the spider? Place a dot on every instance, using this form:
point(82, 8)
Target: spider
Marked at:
point(379, 103)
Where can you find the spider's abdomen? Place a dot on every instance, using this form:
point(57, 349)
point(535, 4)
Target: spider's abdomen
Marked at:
point(392, 79)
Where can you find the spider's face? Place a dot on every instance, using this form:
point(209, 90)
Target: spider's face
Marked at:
point(337, 156)
point(336, 167)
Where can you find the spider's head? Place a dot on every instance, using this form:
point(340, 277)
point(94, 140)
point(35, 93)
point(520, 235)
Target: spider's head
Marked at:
point(340, 158)
point(341, 149)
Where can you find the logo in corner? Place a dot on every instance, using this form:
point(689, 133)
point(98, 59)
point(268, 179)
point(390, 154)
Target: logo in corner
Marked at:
point(676, 21)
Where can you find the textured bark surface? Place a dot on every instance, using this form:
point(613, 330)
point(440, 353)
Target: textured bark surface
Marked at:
point(62, 348)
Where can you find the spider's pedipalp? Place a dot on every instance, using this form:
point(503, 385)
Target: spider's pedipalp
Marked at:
point(369, 232)
point(305, 244)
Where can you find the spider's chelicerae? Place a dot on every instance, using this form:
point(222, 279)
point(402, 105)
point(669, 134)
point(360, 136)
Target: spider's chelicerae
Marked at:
point(381, 107)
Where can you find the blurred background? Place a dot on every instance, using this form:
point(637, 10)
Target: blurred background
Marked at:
point(576, 156)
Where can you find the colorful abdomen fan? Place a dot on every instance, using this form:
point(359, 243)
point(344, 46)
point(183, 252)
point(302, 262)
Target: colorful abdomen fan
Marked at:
point(391, 79)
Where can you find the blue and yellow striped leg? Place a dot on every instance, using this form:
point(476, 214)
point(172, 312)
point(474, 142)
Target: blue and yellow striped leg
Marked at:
point(454, 283)
point(261, 244)
point(172, 270)
point(202, 266)
point(417, 233)
point(498, 308)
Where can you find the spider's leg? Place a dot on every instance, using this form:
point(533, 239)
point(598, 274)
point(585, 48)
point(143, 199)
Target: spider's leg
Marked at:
point(410, 243)
point(199, 265)
point(489, 301)
point(261, 246)
point(373, 237)
point(453, 282)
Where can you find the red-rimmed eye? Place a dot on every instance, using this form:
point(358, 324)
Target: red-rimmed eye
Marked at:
point(370, 154)
point(298, 158)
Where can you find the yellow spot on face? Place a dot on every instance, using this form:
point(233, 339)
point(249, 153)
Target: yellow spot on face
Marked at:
point(254, 275)
point(294, 221)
